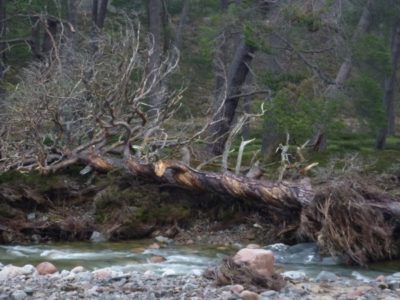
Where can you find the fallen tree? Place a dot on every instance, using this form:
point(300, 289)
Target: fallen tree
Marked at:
point(89, 113)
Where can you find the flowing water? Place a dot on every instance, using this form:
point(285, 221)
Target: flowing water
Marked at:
point(130, 256)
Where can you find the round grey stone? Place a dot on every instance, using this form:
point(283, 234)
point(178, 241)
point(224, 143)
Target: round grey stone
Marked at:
point(18, 295)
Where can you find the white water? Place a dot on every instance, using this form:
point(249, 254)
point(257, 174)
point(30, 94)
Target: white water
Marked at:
point(133, 256)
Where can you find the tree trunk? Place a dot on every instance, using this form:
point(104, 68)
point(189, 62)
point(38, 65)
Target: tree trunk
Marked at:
point(50, 35)
point(3, 29)
point(95, 10)
point(3, 46)
point(101, 15)
point(224, 5)
point(182, 24)
point(319, 140)
point(155, 23)
point(390, 85)
point(223, 119)
point(391, 106)
point(345, 69)
point(72, 15)
point(35, 38)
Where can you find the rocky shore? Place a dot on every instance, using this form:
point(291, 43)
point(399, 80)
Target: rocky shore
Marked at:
point(46, 282)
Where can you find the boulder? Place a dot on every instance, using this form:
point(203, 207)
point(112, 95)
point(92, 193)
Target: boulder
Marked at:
point(261, 261)
point(46, 268)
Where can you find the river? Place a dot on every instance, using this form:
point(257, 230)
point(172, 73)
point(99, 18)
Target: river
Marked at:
point(134, 256)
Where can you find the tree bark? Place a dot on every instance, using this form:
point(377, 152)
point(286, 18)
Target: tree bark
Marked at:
point(182, 23)
point(223, 119)
point(35, 38)
point(390, 85)
point(50, 33)
point(72, 15)
point(3, 45)
point(3, 29)
point(95, 10)
point(279, 195)
point(101, 16)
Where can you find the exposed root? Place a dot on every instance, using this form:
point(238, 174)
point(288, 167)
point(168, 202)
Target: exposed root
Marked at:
point(351, 217)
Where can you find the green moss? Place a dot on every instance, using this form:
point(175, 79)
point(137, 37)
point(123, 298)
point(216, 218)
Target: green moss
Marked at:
point(33, 179)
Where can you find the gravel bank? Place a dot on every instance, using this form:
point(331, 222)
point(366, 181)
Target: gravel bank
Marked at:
point(25, 283)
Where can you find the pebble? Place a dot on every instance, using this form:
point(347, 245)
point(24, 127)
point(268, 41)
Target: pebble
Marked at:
point(149, 285)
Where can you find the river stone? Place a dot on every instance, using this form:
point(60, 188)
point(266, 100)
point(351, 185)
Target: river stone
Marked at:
point(154, 246)
point(28, 269)
point(260, 261)
point(163, 239)
point(10, 271)
point(267, 295)
point(157, 259)
point(324, 297)
point(78, 269)
point(46, 268)
point(28, 290)
point(294, 275)
point(358, 276)
point(397, 275)
point(104, 274)
point(168, 272)
point(248, 295)
point(326, 276)
point(237, 288)
point(18, 295)
point(253, 246)
point(394, 284)
point(98, 237)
